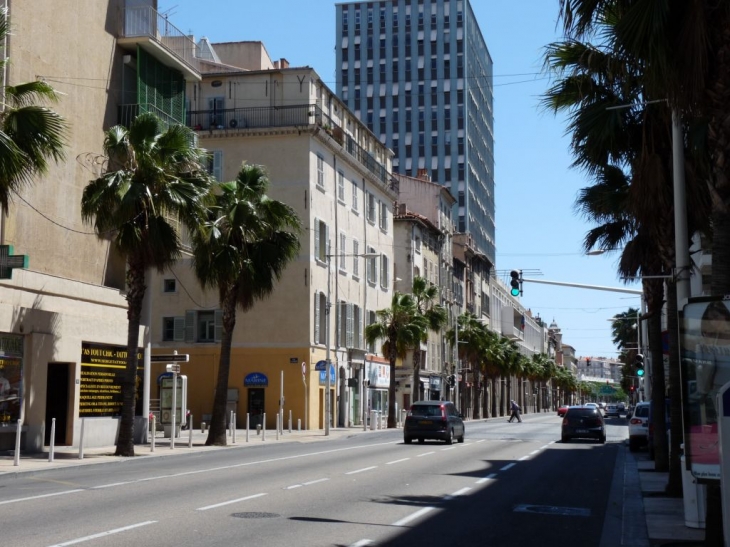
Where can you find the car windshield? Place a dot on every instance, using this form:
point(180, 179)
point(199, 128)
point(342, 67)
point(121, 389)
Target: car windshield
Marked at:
point(582, 412)
point(642, 411)
point(426, 410)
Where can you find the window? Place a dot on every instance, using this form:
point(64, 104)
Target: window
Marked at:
point(215, 164)
point(202, 326)
point(169, 285)
point(343, 252)
point(320, 171)
point(345, 325)
point(321, 240)
point(372, 265)
point(384, 271)
point(354, 196)
point(320, 317)
point(173, 329)
point(371, 208)
point(357, 327)
point(341, 186)
point(355, 258)
point(384, 216)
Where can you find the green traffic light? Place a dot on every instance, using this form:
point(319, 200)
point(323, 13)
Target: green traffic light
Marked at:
point(640, 372)
point(515, 292)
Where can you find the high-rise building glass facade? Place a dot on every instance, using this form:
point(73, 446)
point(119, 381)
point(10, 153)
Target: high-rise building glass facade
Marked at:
point(419, 74)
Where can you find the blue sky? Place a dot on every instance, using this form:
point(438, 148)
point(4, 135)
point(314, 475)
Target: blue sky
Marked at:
point(537, 226)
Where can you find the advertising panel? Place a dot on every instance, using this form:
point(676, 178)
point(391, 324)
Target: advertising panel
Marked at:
point(705, 352)
point(102, 375)
point(11, 378)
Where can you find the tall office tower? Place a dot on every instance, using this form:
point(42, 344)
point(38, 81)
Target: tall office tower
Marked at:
point(419, 74)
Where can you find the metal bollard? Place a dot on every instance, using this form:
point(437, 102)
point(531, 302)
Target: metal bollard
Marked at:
point(190, 431)
point(16, 461)
point(277, 425)
point(53, 439)
point(247, 425)
point(290, 421)
point(230, 425)
point(81, 440)
point(263, 429)
point(234, 428)
point(202, 427)
point(299, 424)
point(373, 415)
point(154, 434)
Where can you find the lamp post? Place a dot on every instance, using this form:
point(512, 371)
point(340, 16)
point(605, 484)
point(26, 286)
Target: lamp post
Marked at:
point(328, 305)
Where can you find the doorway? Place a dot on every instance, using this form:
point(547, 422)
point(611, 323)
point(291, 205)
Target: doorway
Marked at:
point(57, 388)
point(256, 406)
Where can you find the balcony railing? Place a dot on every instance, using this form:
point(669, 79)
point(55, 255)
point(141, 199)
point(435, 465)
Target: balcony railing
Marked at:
point(128, 112)
point(287, 116)
point(145, 21)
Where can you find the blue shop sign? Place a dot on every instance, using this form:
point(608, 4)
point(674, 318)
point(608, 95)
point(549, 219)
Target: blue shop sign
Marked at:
point(256, 379)
point(323, 376)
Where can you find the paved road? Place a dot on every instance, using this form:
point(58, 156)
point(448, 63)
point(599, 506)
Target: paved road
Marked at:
point(508, 484)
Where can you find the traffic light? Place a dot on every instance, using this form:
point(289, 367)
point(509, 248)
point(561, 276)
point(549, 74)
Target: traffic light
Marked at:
point(639, 363)
point(515, 283)
point(451, 380)
point(631, 389)
point(588, 362)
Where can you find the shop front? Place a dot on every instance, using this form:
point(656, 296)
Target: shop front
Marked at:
point(11, 386)
point(377, 373)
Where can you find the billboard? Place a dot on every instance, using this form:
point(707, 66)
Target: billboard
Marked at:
point(705, 351)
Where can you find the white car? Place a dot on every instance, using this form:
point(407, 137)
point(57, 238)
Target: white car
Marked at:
point(611, 410)
point(639, 426)
point(593, 405)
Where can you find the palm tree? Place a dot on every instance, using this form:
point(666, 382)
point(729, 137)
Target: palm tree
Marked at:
point(472, 335)
point(241, 250)
point(154, 178)
point(401, 329)
point(425, 295)
point(30, 134)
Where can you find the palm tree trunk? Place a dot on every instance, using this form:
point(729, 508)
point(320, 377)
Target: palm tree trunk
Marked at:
point(658, 382)
point(135, 296)
point(416, 383)
point(217, 432)
point(674, 485)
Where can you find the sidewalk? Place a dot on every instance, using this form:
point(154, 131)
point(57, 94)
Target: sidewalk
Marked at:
point(665, 517)
point(67, 456)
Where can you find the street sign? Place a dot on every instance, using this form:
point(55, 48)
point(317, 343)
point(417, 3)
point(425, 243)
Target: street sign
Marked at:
point(173, 368)
point(321, 365)
point(170, 358)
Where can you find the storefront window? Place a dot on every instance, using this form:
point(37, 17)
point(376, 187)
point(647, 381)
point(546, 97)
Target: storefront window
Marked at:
point(11, 378)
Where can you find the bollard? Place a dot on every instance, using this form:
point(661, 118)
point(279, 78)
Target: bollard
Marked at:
point(277, 425)
point(290, 421)
point(234, 428)
point(81, 440)
point(263, 429)
point(299, 424)
point(373, 414)
point(230, 425)
point(53, 439)
point(202, 427)
point(154, 434)
point(258, 429)
point(247, 425)
point(190, 431)
point(18, 431)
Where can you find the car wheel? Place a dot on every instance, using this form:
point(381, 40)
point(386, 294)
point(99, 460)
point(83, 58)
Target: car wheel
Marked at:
point(602, 440)
point(450, 437)
point(407, 440)
point(460, 439)
point(420, 440)
point(633, 445)
point(564, 439)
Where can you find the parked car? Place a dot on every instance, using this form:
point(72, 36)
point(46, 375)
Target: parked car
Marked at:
point(562, 409)
point(611, 410)
point(433, 420)
point(639, 426)
point(621, 407)
point(583, 422)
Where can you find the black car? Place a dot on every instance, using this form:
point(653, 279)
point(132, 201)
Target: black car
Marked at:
point(433, 420)
point(583, 422)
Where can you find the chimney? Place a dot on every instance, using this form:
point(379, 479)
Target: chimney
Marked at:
point(283, 63)
point(276, 64)
point(423, 175)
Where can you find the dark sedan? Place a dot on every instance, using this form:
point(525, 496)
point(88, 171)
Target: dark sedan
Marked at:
point(433, 420)
point(584, 423)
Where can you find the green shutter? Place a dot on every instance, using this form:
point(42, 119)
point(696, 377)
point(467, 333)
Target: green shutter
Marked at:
point(160, 89)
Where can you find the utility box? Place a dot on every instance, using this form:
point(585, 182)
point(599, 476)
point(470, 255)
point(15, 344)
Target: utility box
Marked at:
point(166, 403)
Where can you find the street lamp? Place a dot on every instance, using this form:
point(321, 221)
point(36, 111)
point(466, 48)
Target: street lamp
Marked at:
point(328, 305)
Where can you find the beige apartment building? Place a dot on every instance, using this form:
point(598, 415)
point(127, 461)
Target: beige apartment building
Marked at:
point(335, 174)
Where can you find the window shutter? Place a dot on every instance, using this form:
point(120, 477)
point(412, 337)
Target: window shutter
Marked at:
point(349, 326)
point(316, 317)
point(337, 324)
point(218, 325)
point(359, 329)
point(179, 329)
point(190, 334)
point(317, 243)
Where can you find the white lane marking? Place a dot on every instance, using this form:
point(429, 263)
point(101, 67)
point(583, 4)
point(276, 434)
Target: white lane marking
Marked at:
point(449, 448)
point(534, 452)
point(314, 482)
point(397, 461)
point(414, 516)
point(292, 487)
point(362, 543)
point(272, 460)
point(103, 534)
point(108, 485)
point(483, 440)
point(487, 478)
point(543, 447)
point(41, 496)
point(523, 458)
point(229, 502)
point(508, 466)
point(361, 470)
point(425, 454)
point(457, 493)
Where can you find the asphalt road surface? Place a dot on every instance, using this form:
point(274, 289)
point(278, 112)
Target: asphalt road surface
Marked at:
point(509, 484)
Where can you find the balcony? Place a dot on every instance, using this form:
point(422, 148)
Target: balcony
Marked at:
point(128, 112)
point(297, 116)
point(144, 27)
